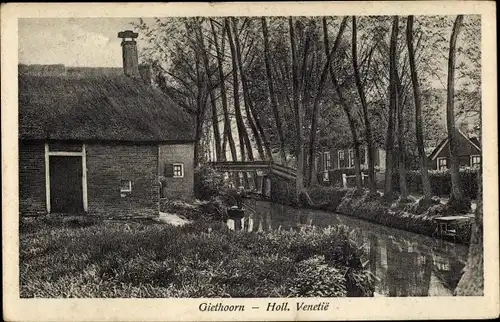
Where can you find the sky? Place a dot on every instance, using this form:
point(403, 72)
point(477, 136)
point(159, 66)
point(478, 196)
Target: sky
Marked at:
point(90, 42)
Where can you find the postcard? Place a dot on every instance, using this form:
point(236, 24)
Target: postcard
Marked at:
point(249, 161)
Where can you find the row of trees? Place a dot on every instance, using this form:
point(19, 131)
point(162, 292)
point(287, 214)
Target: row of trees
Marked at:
point(281, 88)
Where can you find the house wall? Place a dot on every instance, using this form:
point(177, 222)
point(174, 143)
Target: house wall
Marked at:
point(108, 165)
point(32, 178)
point(177, 188)
point(465, 150)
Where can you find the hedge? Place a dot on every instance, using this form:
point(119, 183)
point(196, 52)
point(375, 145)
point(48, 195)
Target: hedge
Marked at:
point(441, 182)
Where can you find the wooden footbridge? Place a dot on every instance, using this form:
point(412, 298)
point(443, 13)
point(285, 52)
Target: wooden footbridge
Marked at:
point(265, 167)
point(260, 171)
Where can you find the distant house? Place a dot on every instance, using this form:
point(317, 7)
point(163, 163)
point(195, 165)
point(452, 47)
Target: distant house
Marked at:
point(99, 142)
point(341, 161)
point(469, 151)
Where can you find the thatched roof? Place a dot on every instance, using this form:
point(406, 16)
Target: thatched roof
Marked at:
point(109, 107)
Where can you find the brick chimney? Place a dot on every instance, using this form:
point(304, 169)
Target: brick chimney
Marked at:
point(129, 53)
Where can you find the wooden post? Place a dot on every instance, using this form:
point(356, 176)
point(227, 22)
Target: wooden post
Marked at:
point(84, 178)
point(47, 178)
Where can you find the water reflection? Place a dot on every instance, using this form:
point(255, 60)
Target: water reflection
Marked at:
point(404, 263)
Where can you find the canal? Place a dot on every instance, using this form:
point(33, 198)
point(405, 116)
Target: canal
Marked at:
point(404, 263)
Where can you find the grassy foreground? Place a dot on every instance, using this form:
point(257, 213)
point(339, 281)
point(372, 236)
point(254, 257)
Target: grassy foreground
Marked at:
point(85, 257)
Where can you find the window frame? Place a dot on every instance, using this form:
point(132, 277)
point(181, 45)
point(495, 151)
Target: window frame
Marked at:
point(475, 156)
point(129, 189)
point(339, 153)
point(327, 160)
point(174, 175)
point(439, 165)
point(350, 160)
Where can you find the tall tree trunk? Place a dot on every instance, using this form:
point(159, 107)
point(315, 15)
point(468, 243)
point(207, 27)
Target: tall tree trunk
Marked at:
point(213, 101)
point(456, 197)
point(345, 108)
point(272, 94)
point(399, 108)
point(227, 121)
point(424, 169)
point(252, 117)
point(401, 141)
point(299, 149)
point(200, 106)
point(393, 94)
point(364, 105)
point(319, 93)
point(472, 282)
point(242, 133)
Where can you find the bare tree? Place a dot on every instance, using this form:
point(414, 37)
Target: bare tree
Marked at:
point(299, 149)
point(228, 135)
point(314, 122)
point(347, 111)
point(244, 141)
point(272, 94)
point(364, 105)
point(417, 96)
point(213, 100)
point(252, 117)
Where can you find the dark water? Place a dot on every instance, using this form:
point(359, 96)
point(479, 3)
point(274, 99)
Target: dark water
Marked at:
point(404, 263)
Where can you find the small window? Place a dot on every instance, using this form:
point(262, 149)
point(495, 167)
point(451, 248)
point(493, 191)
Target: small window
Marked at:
point(328, 160)
point(125, 186)
point(442, 163)
point(475, 161)
point(178, 170)
point(351, 158)
point(340, 154)
point(326, 176)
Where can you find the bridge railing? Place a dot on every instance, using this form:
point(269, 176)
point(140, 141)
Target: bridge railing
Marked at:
point(267, 166)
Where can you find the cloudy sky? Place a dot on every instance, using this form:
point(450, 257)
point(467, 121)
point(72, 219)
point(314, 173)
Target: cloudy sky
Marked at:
point(89, 42)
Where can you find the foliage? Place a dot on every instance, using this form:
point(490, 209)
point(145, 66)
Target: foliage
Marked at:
point(441, 182)
point(208, 182)
point(129, 259)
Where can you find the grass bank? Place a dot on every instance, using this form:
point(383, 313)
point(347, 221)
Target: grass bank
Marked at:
point(90, 257)
point(412, 215)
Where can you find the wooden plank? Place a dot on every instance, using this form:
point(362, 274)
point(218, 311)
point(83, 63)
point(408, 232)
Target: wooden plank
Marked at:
point(64, 153)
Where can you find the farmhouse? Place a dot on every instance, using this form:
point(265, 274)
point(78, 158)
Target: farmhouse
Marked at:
point(98, 140)
point(469, 151)
point(339, 162)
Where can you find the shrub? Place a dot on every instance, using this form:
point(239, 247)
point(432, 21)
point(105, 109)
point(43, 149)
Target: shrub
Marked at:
point(208, 182)
point(283, 191)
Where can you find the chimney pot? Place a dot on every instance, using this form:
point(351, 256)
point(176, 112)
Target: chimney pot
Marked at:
point(129, 53)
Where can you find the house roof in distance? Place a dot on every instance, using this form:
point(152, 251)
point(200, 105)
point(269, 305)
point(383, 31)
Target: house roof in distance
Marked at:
point(96, 104)
point(472, 140)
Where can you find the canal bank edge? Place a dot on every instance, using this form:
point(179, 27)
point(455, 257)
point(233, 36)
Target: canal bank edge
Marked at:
point(410, 216)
